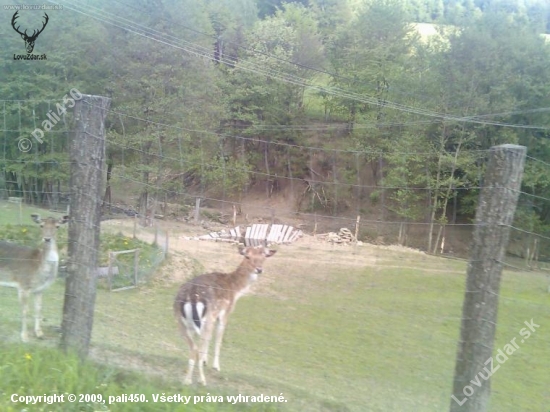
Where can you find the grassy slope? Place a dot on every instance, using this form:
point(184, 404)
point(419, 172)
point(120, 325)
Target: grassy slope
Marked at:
point(330, 329)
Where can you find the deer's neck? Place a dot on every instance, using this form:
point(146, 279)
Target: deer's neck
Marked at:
point(49, 266)
point(243, 278)
point(49, 251)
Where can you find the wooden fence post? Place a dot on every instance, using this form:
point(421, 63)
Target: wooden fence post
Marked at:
point(87, 156)
point(136, 266)
point(110, 271)
point(494, 215)
point(197, 209)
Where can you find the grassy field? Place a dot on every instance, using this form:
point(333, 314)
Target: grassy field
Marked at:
point(332, 328)
point(9, 214)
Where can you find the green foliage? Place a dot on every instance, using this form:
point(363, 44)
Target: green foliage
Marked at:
point(150, 256)
point(406, 176)
point(536, 12)
point(366, 56)
point(214, 127)
point(231, 175)
point(29, 234)
point(118, 242)
point(25, 234)
point(289, 36)
point(375, 197)
point(39, 371)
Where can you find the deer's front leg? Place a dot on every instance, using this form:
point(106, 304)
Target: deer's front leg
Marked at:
point(222, 321)
point(24, 303)
point(38, 315)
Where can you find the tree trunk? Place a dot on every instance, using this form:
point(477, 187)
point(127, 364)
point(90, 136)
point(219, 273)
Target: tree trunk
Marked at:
point(442, 219)
point(434, 203)
point(268, 179)
point(144, 197)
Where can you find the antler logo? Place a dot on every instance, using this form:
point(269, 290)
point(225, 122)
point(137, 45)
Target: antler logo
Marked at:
point(29, 40)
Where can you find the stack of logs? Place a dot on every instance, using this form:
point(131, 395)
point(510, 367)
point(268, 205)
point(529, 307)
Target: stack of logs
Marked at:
point(344, 235)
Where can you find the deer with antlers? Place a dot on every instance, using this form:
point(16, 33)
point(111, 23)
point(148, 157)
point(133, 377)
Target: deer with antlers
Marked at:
point(31, 270)
point(211, 298)
point(29, 40)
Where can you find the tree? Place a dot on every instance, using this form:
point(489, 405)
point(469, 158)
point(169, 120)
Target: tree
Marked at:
point(260, 89)
point(229, 21)
point(367, 55)
point(487, 68)
point(330, 15)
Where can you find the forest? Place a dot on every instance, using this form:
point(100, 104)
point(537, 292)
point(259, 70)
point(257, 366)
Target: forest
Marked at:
point(341, 102)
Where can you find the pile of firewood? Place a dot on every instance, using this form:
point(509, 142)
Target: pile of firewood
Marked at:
point(344, 235)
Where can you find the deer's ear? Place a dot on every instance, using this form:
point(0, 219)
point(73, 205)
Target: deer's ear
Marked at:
point(64, 220)
point(243, 250)
point(36, 218)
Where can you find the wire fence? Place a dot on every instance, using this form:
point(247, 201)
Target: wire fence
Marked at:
point(377, 289)
point(326, 187)
point(336, 188)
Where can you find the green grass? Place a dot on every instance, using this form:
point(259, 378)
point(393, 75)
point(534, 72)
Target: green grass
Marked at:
point(387, 339)
point(361, 339)
point(36, 371)
point(331, 329)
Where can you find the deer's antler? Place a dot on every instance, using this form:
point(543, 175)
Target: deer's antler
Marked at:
point(15, 16)
point(44, 26)
point(35, 33)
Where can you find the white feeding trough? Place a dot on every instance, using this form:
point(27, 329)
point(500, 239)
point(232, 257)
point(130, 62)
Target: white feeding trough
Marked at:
point(256, 235)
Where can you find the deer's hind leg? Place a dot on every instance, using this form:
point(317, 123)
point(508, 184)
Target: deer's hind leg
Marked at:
point(204, 343)
point(193, 352)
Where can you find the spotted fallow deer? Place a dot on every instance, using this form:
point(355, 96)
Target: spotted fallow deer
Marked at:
point(31, 270)
point(210, 298)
